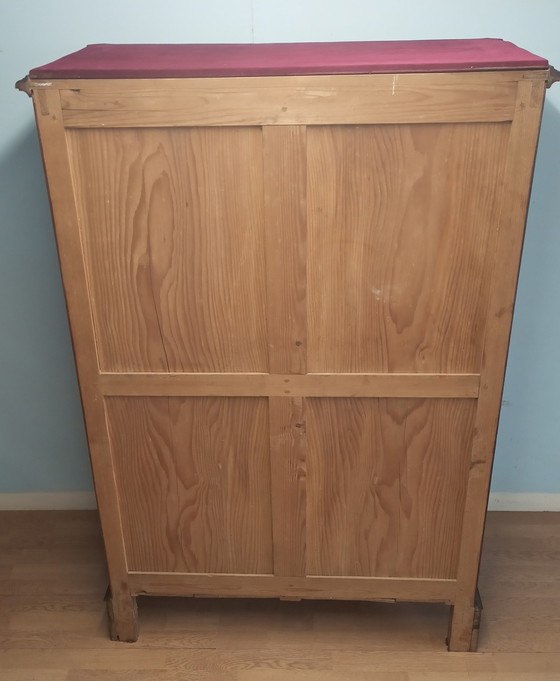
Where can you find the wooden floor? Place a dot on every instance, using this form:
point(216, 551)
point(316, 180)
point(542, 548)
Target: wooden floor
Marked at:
point(53, 626)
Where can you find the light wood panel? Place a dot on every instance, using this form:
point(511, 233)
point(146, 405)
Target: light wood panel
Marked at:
point(401, 232)
point(290, 385)
point(386, 484)
point(193, 477)
point(172, 229)
point(292, 100)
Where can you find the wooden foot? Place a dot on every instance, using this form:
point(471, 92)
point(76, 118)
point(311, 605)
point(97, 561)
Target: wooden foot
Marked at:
point(464, 625)
point(476, 622)
point(122, 612)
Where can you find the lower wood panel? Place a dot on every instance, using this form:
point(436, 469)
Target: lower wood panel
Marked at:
point(376, 488)
point(386, 484)
point(193, 477)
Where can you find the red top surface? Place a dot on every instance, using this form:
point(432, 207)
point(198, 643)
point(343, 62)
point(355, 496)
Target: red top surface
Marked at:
point(211, 61)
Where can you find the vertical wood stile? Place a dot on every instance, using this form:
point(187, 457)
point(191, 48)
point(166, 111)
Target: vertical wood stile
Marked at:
point(519, 169)
point(285, 227)
point(288, 485)
point(63, 202)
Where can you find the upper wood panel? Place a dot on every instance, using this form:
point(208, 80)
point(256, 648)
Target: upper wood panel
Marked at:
point(401, 231)
point(386, 485)
point(294, 100)
point(172, 229)
point(193, 477)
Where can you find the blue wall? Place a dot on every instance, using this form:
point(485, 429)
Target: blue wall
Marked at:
point(42, 442)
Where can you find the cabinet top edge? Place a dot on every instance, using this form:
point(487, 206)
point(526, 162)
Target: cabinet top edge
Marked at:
point(242, 84)
point(108, 61)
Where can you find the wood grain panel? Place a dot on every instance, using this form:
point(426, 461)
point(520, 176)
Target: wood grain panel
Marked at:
point(401, 239)
point(291, 100)
point(386, 483)
point(172, 228)
point(193, 476)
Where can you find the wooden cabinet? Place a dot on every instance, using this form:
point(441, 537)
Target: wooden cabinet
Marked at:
point(290, 274)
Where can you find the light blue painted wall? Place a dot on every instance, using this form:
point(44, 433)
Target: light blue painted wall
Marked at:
point(42, 442)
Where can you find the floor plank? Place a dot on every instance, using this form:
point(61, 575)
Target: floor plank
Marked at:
point(53, 625)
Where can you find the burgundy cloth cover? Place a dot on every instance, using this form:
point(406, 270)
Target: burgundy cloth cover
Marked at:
point(210, 61)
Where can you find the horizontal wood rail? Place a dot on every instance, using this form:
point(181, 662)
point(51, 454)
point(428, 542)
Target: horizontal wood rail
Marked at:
point(290, 100)
point(273, 586)
point(289, 385)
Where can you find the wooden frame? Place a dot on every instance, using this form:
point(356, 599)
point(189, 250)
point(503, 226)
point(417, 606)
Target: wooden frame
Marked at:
point(307, 386)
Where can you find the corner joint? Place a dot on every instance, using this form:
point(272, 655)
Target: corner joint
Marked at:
point(553, 76)
point(25, 86)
